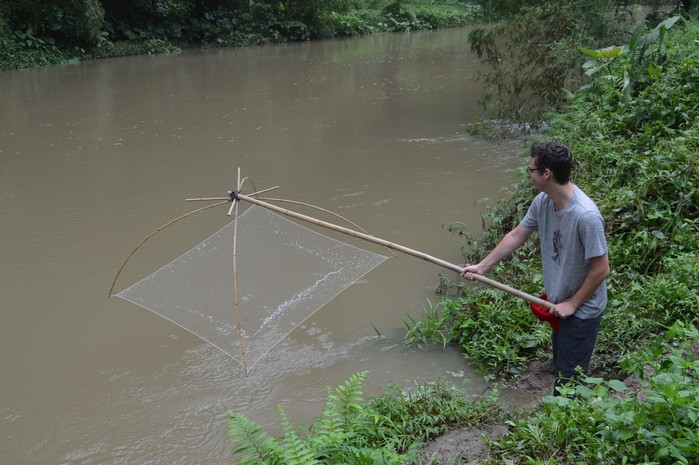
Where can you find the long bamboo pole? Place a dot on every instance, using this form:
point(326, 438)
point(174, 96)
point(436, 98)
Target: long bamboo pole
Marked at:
point(391, 245)
point(296, 202)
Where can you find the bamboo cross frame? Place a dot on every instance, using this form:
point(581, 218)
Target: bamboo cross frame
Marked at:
point(376, 240)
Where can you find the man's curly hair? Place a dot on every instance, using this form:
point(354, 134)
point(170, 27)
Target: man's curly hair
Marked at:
point(556, 157)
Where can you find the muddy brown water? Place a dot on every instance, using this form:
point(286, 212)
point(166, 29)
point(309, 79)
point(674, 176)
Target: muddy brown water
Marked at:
point(95, 156)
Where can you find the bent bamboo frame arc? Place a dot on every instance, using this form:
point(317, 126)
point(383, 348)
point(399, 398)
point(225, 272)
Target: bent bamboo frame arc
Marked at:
point(437, 261)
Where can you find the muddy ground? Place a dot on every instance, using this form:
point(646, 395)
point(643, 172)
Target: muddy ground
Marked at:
point(466, 445)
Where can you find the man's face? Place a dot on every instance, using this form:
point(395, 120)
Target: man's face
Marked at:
point(535, 173)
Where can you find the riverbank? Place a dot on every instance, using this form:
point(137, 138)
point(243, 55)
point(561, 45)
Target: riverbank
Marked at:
point(637, 153)
point(53, 34)
point(473, 444)
point(636, 146)
point(469, 444)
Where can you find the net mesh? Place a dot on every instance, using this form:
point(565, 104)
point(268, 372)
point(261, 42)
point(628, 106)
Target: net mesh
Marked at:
point(285, 273)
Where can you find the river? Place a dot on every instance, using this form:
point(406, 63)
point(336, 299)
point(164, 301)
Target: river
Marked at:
point(95, 156)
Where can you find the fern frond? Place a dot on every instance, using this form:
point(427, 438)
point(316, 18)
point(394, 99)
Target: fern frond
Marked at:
point(296, 450)
point(331, 421)
point(342, 406)
point(251, 445)
point(348, 399)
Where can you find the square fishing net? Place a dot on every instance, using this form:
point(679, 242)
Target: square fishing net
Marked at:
point(285, 273)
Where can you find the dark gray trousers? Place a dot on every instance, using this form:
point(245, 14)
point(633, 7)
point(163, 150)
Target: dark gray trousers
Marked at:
point(572, 347)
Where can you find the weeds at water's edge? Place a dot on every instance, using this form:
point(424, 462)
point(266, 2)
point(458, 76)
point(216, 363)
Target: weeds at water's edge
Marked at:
point(356, 429)
point(654, 420)
point(430, 329)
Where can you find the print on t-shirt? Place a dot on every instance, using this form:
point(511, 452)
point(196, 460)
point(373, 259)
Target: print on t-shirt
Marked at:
point(557, 245)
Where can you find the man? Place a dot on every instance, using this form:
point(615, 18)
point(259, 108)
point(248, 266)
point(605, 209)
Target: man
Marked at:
point(574, 256)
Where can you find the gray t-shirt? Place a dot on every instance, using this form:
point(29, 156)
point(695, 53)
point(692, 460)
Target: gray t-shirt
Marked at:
point(569, 239)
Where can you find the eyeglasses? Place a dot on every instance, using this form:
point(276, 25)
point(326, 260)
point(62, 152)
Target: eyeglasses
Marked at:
point(530, 170)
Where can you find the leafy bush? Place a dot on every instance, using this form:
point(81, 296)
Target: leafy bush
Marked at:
point(74, 22)
point(633, 64)
point(647, 307)
point(352, 23)
point(446, 16)
point(80, 21)
point(605, 423)
point(23, 49)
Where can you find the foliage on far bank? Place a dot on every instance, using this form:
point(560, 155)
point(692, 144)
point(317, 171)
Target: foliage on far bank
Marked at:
point(66, 31)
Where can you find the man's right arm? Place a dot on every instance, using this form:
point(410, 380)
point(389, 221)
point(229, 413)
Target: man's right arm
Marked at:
point(508, 244)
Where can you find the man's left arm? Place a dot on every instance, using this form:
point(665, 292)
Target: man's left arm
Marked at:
point(599, 270)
